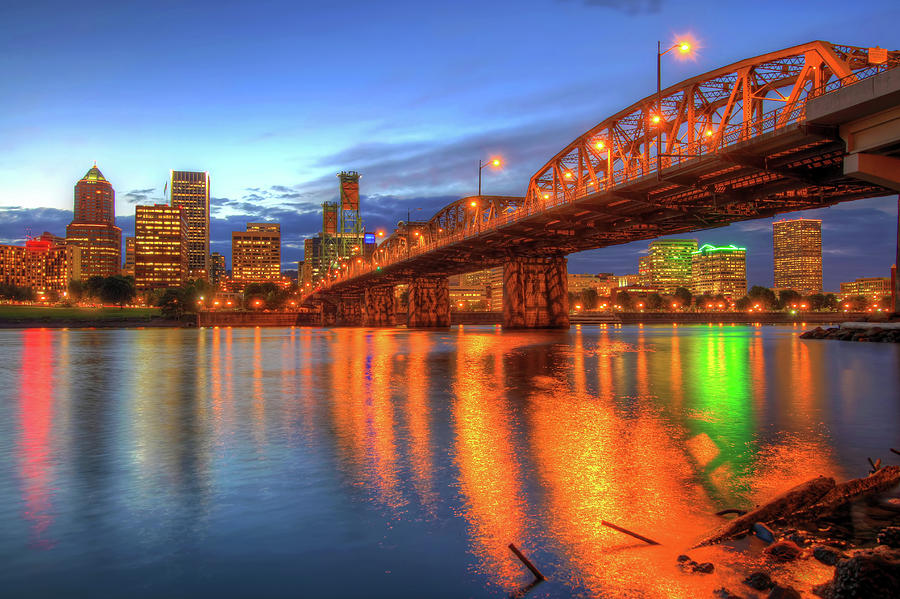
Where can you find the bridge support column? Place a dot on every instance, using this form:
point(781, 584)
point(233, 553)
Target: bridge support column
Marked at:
point(535, 293)
point(429, 302)
point(327, 314)
point(350, 311)
point(379, 307)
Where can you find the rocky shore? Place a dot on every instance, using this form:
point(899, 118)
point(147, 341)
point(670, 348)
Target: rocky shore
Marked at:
point(851, 527)
point(872, 332)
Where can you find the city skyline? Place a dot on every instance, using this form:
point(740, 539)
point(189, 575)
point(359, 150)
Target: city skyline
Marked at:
point(451, 104)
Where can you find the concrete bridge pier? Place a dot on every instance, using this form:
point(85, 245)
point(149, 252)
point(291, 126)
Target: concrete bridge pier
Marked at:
point(327, 314)
point(379, 307)
point(535, 293)
point(429, 302)
point(350, 311)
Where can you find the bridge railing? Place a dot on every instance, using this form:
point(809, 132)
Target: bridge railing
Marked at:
point(731, 135)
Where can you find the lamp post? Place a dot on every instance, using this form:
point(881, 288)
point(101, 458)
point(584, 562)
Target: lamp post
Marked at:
point(495, 162)
point(408, 212)
point(684, 48)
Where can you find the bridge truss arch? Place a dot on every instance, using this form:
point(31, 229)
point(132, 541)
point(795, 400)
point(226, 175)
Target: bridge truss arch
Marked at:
point(698, 117)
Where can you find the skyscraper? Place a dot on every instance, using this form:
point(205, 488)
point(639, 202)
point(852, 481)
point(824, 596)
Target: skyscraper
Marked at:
point(190, 190)
point(256, 254)
point(797, 246)
point(93, 227)
point(669, 264)
point(128, 269)
point(160, 247)
point(719, 270)
point(217, 271)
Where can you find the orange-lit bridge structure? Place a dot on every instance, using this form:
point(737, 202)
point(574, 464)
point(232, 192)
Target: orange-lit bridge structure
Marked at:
point(800, 128)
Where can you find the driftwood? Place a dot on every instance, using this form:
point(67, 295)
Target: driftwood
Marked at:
point(844, 493)
point(787, 503)
point(629, 532)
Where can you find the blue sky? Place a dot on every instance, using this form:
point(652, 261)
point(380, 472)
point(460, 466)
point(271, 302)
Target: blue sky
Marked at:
point(274, 98)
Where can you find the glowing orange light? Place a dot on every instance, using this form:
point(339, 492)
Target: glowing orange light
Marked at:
point(655, 118)
point(684, 47)
point(473, 204)
point(709, 132)
point(568, 175)
point(495, 162)
point(546, 195)
point(599, 145)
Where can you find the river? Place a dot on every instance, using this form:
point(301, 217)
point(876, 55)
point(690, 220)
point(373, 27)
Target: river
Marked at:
point(305, 462)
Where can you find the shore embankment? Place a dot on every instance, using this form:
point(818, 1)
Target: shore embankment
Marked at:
point(871, 332)
point(25, 317)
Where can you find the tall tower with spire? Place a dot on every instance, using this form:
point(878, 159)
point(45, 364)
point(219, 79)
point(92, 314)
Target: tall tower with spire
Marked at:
point(93, 227)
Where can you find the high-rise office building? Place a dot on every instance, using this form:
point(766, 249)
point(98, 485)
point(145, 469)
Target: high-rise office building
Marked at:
point(160, 247)
point(719, 270)
point(93, 227)
point(668, 264)
point(217, 270)
point(873, 288)
point(128, 269)
point(190, 190)
point(256, 254)
point(797, 246)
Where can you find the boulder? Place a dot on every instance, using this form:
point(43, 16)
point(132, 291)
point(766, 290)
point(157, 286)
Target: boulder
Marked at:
point(783, 551)
point(759, 581)
point(827, 555)
point(871, 573)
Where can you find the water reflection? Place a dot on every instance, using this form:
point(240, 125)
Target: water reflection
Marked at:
point(418, 456)
point(36, 395)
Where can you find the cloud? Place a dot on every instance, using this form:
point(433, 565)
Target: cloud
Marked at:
point(141, 196)
point(16, 221)
point(629, 7)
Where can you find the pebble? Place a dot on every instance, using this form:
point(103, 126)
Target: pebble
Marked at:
point(784, 551)
point(827, 555)
point(759, 581)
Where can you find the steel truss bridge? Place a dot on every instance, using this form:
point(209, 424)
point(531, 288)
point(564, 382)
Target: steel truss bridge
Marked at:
point(799, 128)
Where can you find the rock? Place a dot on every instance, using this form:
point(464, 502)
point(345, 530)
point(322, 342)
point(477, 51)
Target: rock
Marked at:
point(764, 532)
point(782, 592)
point(799, 538)
point(784, 551)
point(759, 581)
point(724, 593)
point(705, 568)
point(789, 502)
point(871, 573)
point(827, 555)
point(889, 536)
point(683, 558)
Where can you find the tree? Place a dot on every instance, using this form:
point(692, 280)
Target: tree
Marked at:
point(786, 297)
point(816, 302)
point(173, 302)
point(76, 289)
point(93, 286)
point(19, 294)
point(763, 297)
point(702, 301)
point(589, 298)
point(683, 296)
point(623, 298)
point(653, 301)
point(117, 290)
point(743, 304)
point(831, 302)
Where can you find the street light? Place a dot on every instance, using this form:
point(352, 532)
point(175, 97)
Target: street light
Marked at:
point(495, 162)
point(684, 47)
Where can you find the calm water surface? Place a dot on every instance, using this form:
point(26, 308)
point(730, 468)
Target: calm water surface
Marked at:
point(394, 463)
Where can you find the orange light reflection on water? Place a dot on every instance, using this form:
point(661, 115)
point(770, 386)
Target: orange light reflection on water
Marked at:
point(36, 396)
point(489, 473)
